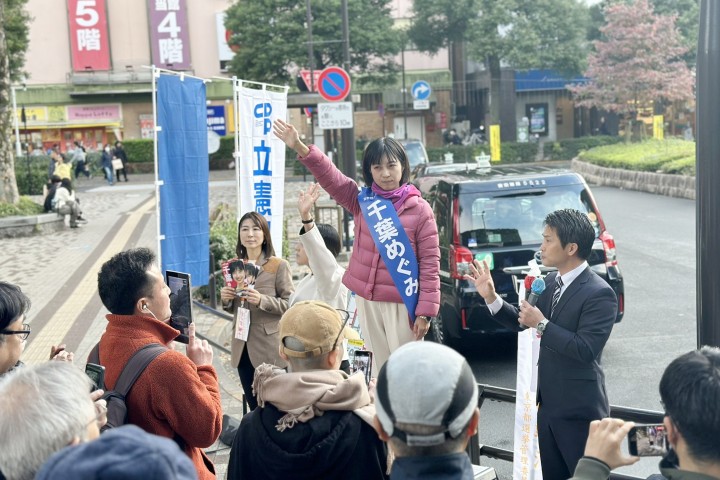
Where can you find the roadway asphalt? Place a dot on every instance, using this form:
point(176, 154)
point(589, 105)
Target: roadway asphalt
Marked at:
point(58, 272)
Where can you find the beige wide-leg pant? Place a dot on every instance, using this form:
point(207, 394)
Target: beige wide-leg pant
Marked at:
point(385, 327)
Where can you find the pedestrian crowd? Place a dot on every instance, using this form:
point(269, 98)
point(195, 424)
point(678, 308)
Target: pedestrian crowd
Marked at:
point(310, 417)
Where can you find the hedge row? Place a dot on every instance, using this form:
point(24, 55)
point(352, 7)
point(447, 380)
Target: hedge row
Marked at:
point(26, 206)
point(32, 183)
point(681, 166)
point(648, 156)
point(570, 148)
point(141, 150)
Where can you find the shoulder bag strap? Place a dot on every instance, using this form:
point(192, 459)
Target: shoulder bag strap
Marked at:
point(136, 365)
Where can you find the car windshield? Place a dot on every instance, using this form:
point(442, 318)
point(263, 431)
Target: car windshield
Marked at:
point(505, 219)
point(415, 153)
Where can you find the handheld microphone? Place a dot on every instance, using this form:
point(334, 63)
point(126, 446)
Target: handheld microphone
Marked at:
point(537, 287)
point(528, 283)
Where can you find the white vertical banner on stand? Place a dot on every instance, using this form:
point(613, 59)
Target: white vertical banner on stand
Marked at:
point(526, 450)
point(261, 155)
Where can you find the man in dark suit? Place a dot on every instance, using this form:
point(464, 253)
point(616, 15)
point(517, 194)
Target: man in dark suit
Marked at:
point(574, 317)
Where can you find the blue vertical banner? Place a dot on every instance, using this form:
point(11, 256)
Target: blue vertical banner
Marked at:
point(183, 172)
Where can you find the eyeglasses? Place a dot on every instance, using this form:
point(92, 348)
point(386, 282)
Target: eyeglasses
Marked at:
point(342, 313)
point(24, 333)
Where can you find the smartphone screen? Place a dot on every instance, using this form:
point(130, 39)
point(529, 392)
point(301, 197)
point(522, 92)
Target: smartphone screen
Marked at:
point(182, 324)
point(180, 302)
point(647, 440)
point(362, 362)
point(97, 376)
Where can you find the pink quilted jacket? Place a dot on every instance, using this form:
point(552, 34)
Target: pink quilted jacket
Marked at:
point(367, 275)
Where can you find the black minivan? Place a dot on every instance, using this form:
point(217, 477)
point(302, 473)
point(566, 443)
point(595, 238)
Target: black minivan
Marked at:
point(498, 216)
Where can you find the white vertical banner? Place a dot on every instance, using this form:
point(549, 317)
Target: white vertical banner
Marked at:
point(260, 159)
point(526, 450)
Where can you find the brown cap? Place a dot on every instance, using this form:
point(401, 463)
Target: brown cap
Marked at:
point(315, 324)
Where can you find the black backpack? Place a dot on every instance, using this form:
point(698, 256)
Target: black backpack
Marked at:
point(115, 398)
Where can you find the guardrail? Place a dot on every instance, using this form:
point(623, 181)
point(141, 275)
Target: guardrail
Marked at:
point(498, 394)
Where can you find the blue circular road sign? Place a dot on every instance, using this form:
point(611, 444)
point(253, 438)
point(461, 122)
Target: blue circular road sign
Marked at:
point(421, 90)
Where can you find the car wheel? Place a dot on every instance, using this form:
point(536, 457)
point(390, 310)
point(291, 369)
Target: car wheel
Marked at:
point(438, 331)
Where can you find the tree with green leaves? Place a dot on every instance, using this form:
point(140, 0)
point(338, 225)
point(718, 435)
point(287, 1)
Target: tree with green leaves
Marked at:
point(271, 38)
point(687, 23)
point(524, 35)
point(638, 61)
point(14, 41)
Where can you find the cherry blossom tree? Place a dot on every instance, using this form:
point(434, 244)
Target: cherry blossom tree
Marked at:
point(637, 61)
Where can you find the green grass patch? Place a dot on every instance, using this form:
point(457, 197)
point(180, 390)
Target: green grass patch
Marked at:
point(647, 156)
point(25, 207)
point(681, 166)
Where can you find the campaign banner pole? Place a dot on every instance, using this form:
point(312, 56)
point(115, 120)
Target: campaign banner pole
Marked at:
point(526, 449)
point(155, 74)
point(261, 155)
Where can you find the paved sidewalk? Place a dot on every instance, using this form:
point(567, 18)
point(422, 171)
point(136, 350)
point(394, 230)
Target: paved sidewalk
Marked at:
point(59, 272)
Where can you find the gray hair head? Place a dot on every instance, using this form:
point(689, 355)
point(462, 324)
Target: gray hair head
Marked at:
point(44, 408)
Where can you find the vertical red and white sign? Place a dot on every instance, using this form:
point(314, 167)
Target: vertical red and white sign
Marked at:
point(169, 36)
point(89, 42)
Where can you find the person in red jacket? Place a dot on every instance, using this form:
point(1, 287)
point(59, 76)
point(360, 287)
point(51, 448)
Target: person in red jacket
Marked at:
point(176, 396)
point(385, 320)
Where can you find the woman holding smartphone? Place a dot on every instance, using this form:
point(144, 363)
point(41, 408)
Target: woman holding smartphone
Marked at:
point(267, 301)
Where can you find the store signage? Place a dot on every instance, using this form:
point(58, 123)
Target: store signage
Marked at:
point(89, 43)
point(93, 113)
point(216, 119)
point(169, 36)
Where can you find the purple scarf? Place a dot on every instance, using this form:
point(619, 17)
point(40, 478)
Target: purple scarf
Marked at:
point(397, 196)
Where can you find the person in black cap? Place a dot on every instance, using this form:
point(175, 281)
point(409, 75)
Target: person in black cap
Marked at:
point(427, 423)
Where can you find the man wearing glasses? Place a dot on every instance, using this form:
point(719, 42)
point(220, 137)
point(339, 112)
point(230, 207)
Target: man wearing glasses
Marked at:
point(313, 418)
point(13, 331)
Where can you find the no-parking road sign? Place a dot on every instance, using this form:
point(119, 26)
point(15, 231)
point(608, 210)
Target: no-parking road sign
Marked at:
point(334, 84)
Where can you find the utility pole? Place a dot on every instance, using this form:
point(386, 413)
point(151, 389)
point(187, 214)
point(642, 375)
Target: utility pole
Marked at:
point(347, 134)
point(404, 92)
point(311, 66)
point(708, 172)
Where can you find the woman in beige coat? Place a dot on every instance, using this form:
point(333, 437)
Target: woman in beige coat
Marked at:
point(267, 301)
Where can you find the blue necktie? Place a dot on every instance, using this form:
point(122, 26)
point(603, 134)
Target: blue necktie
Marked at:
point(556, 294)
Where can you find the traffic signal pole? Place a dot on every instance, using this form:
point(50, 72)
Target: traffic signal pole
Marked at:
point(347, 134)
